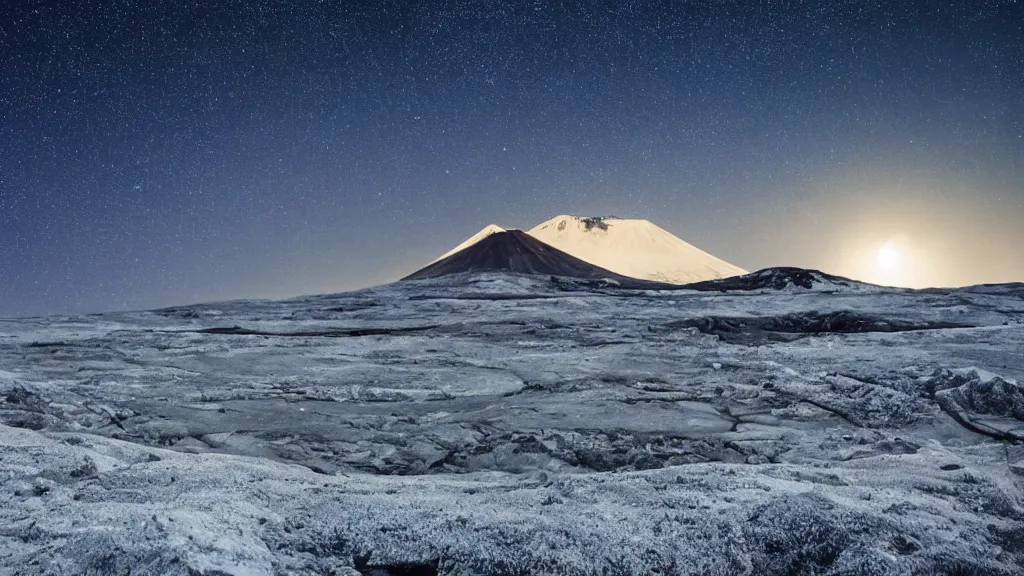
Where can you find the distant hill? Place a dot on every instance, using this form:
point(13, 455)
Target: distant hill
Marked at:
point(778, 279)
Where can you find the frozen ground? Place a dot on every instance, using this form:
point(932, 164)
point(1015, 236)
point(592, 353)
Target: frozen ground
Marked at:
point(509, 425)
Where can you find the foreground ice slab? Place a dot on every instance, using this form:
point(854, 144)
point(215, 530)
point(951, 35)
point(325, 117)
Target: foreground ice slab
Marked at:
point(503, 424)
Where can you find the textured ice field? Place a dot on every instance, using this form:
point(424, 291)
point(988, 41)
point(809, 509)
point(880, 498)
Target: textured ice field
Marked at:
point(502, 424)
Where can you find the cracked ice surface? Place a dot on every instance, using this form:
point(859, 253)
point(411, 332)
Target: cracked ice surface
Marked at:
point(503, 424)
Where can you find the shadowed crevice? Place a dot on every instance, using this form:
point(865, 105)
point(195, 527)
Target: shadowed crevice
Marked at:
point(756, 330)
point(365, 567)
point(336, 333)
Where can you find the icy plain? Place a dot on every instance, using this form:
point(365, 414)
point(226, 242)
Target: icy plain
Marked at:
point(498, 424)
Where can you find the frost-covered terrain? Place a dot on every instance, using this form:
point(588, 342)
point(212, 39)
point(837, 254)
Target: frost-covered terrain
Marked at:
point(503, 424)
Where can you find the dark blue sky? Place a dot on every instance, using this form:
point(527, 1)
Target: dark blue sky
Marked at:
point(172, 152)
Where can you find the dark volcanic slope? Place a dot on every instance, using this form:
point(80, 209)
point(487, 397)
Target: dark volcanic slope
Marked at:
point(517, 251)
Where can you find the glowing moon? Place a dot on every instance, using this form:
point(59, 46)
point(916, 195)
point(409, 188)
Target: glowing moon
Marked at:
point(888, 259)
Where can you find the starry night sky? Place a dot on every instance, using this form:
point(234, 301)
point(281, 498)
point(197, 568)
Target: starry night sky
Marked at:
point(158, 153)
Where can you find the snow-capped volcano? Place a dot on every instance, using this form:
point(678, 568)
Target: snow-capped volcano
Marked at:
point(632, 247)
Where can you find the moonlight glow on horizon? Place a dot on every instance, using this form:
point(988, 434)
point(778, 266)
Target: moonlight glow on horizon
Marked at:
point(888, 259)
point(890, 267)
